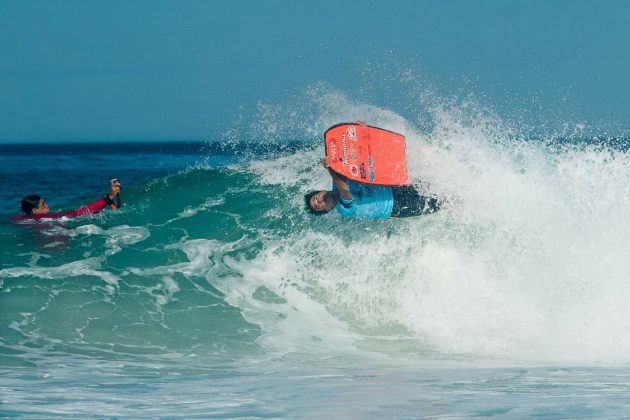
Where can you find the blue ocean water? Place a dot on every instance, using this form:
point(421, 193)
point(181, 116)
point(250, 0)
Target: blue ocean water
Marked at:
point(212, 294)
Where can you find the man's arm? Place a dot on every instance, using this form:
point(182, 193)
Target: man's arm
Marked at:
point(98, 205)
point(340, 183)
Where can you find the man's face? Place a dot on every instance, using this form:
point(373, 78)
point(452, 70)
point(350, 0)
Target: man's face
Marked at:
point(42, 208)
point(322, 201)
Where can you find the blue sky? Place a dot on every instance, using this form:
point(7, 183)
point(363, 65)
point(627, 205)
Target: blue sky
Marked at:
point(168, 70)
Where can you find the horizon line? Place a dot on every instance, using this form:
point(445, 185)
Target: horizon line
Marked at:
point(99, 141)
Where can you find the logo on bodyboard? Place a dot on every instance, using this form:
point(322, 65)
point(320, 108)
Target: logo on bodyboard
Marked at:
point(352, 133)
point(344, 147)
point(334, 154)
point(371, 165)
point(362, 170)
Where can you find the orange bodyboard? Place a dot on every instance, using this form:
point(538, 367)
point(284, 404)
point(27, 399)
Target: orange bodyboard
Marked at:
point(367, 154)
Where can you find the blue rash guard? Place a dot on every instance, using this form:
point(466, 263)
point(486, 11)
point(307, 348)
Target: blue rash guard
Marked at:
point(368, 202)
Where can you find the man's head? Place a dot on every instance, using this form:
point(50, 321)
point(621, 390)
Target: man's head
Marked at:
point(34, 204)
point(320, 202)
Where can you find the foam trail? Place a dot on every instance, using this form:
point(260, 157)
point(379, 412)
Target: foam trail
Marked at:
point(86, 267)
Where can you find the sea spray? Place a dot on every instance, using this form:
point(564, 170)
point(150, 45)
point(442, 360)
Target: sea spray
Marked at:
point(525, 263)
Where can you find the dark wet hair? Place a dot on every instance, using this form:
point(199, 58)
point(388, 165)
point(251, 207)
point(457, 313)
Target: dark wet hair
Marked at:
point(307, 201)
point(29, 203)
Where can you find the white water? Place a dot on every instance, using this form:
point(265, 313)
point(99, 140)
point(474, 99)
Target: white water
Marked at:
point(528, 263)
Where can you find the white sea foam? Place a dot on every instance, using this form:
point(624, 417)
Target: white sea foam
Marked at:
point(529, 262)
point(164, 291)
point(200, 254)
point(117, 236)
point(86, 267)
point(191, 211)
point(292, 322)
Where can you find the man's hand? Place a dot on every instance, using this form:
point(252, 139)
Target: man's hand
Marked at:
point(341, 184)
point(114, 188)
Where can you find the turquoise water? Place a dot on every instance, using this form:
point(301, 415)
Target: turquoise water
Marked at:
point(211, 293)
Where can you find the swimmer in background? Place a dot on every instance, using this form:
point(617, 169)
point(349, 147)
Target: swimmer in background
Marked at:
point(364, 201)
point(34, 207)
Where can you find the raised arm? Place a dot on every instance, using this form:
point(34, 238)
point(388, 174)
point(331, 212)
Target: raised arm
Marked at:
point(340, 183)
